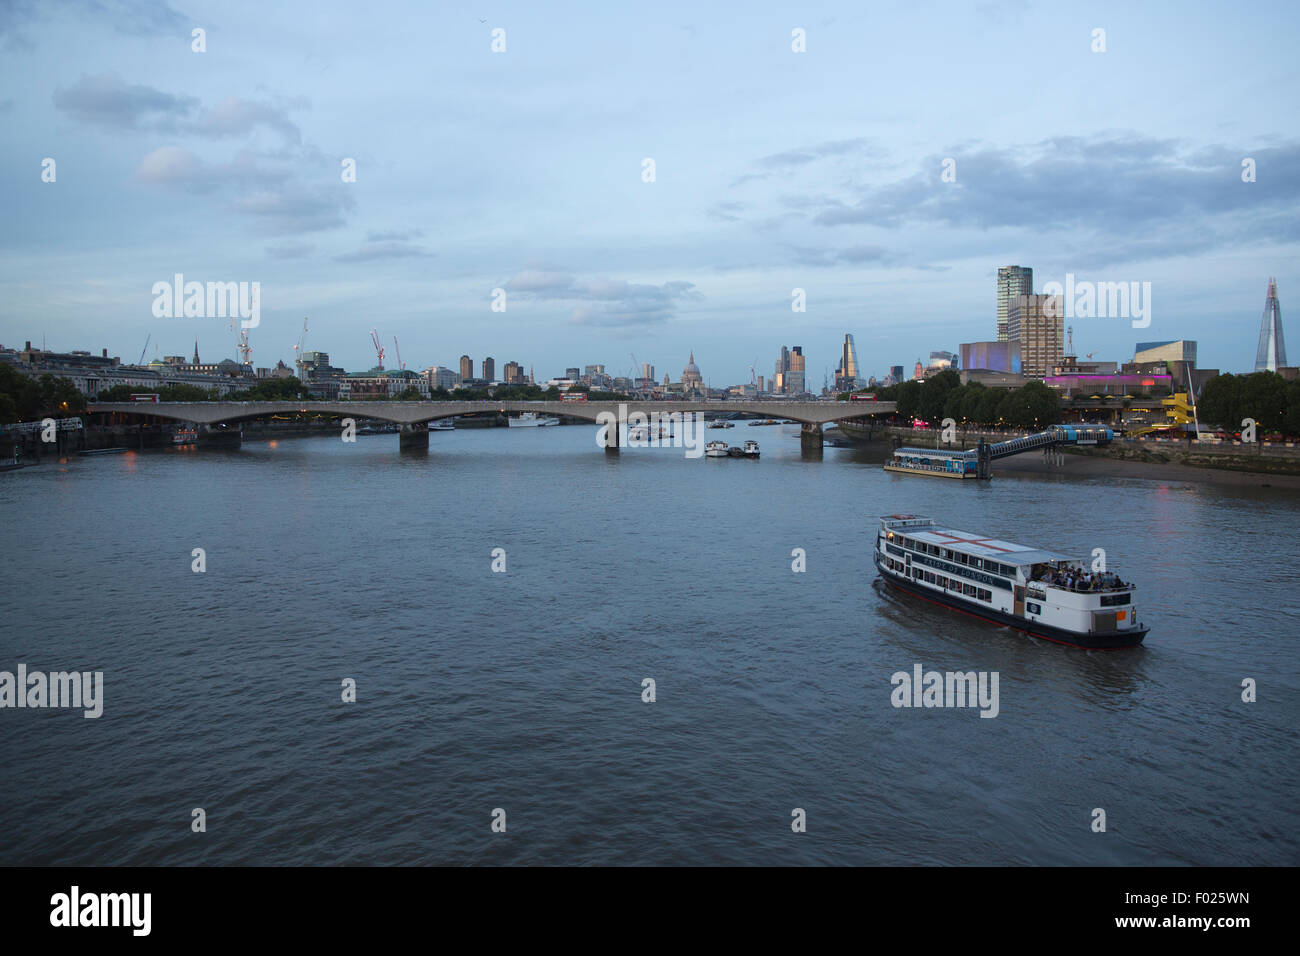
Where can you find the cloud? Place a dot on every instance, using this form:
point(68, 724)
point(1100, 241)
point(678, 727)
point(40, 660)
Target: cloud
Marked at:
point(175, 166)
point(237, 117)
point(725, 211)
point(810, 154)
point(291, 249)
point(853, 255)
point(396, 235)
point(1114, 197)
point(604, 301)
point(106, 100)
point(386, 245)
point(296, 210)
point(133, 17)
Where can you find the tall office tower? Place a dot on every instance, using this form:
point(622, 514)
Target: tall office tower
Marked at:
point(760, 389)
point(514, 372)
point(572, 374)
point(794, 380)
point(489, 369)
point(1013, 281)
point(590, 371)
point(847, 374)
point(647, 371)
point(1271, 354)
point(1038, 321)
point(896, 372)
point(466, 368)
point(779, 373)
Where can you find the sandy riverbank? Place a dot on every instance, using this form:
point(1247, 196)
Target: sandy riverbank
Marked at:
point(1087, 466)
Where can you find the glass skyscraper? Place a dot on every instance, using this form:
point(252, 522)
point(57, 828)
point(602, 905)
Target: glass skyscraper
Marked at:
point(1271, 354)
point(1013, 281)
point(848, 374)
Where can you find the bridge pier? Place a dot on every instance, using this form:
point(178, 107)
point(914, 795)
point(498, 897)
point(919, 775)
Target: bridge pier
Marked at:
point(611, 439)
point(810, 439)
point(414, 437)
point(216, 436)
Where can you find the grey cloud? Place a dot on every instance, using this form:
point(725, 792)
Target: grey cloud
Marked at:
point(1069, 182)
point(175, 166)
point(725, 211)
point(296, 210)
point(397, 235)
point(810, 154)
point(291, 249)
point(373, 249)
point(607, 302)
point(107, 100)
point(133, 17)
point(237, 117)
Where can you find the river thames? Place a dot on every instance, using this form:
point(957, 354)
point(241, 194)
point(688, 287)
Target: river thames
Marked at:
point(522, 689)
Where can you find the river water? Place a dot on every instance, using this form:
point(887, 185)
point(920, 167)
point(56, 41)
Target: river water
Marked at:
point(522, 690)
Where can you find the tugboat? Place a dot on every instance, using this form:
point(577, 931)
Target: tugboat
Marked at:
point(185, 435)
point(1042, 593)
point(716, 449)
point(751, 449)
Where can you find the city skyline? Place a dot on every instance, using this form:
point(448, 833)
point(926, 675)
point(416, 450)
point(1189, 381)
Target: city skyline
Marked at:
point(525, 175)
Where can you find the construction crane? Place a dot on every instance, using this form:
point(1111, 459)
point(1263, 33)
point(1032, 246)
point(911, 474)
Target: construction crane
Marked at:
point(299, 348)
point(145, 349)
point(379, 349)
point(753, 375)
point(398, 349)
point(244, 349)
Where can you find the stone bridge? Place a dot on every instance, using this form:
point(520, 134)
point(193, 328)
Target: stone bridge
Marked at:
point(415, 416)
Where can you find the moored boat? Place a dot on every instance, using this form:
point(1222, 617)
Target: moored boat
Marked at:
point(751, 449)
point(1042, 593)
point(532, 420)
point(715, 449)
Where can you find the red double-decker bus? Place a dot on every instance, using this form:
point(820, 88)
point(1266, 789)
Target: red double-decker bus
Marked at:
point(865, 397)
point(573, 397)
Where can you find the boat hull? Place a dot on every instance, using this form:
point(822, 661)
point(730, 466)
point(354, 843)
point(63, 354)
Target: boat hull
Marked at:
point(1112, 640)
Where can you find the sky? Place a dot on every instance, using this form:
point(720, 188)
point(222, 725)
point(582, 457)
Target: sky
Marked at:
point(524, 170)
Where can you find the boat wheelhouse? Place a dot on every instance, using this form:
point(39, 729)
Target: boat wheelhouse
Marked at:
point(1042, 593)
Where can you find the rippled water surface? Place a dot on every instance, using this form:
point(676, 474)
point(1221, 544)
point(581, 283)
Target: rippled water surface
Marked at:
point(522, 690)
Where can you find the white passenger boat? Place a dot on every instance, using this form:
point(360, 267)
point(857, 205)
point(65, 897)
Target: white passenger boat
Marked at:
point(442, 425)
point(751, 449)
point(532, 420)
point(715, 449)
point(1047, 595)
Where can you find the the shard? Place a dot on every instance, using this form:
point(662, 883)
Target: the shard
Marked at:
point(1271, 355)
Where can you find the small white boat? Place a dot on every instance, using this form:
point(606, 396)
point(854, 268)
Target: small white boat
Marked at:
point(751, 449)
point(442, 425)
point(532, 420)
point(721, 423)
point(716, 449)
